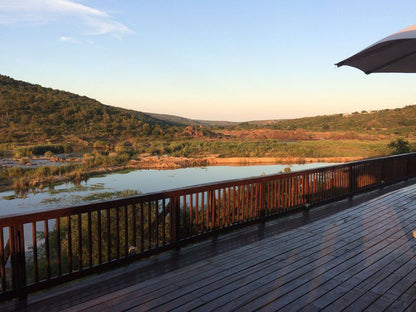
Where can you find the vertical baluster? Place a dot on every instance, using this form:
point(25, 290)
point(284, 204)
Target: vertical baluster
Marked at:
point(164, 221)
point(272, 206)
point(16, 248)
point(13, 260)
point(100, 257)
point(191, 207)
point(298, 197)
point(212, 204)
point(227, 200)
point(324, 185)
point(2, 261)
point(336, 181)
point(241, 202)
point(47, 253)
point(141, 227)
point(274, 195)
point(203, 212)
point(134, 217)
point(295, 190)
point(250, 200)
point(233, 205)
point(219, 209)
point(238, 212)
point(89, 239)
point(279, 193)
point(331, 182)
point(183, 210)
point(69, 244)
point(283, 181)
point(256, 199)
point(217, 205)
point(142, 223)
point(208, 210)
point(108, 235)
point(149, 225)
point(172, 219)
point(247, 200)
point(157, 222)
point(58, 244)
point(35, 251)
point(223, 208)
point(80, 242)
point(117, 232)
point(197, 226)
point(126, 230)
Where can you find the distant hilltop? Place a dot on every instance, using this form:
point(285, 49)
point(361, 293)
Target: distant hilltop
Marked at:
point(187, 121)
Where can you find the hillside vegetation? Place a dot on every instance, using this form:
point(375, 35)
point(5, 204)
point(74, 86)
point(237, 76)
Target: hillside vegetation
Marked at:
point(31, 113)
point(398, 121)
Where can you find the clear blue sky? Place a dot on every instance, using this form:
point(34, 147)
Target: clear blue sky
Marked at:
point(207, 59)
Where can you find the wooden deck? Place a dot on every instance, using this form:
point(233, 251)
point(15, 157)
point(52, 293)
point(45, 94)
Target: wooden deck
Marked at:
point(353, 255)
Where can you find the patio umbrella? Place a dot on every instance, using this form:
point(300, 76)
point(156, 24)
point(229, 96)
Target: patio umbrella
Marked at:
point(394, 54)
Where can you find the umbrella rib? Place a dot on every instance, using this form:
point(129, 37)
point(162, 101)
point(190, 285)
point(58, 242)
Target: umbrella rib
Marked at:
point(390, 62)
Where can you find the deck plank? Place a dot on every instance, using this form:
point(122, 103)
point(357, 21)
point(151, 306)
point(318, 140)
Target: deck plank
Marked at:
point(211, 294)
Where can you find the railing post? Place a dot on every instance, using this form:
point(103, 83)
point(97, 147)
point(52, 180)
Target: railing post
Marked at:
point(262, 202)
point(17, 258)
point(382, 173)
point(305, 184)
point(351, 182)
point(407, 167)
point(211, 194)
point(175, 221)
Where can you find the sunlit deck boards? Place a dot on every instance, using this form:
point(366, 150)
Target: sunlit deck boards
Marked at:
point(355, 259)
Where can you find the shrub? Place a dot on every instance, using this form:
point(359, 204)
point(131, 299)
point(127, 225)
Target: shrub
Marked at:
point(399, 146)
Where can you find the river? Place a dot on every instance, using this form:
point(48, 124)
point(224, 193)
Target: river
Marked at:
point(130, 183)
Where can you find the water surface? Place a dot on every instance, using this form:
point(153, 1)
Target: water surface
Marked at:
point(136, 181)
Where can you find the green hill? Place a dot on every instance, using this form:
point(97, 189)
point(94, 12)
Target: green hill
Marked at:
point(399, 121)
point(32, 113)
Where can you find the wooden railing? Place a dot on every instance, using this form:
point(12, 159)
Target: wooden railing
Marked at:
point(49, 247)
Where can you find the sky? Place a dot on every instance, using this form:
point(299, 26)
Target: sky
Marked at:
point(234, 60)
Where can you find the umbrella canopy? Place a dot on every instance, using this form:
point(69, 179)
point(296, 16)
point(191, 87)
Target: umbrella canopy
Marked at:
point(393, 54)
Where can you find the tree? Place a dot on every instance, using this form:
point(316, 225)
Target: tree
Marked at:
point(399, 146)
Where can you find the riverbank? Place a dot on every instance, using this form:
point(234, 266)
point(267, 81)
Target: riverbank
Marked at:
point(170, 162)
point(159, 163)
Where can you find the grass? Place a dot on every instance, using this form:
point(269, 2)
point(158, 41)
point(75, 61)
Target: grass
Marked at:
point(93, 196)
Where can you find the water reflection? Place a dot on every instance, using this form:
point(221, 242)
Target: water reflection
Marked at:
point(130, 183)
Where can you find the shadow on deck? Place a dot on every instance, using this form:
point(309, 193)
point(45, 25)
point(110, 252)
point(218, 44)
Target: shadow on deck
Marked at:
point(354, 254)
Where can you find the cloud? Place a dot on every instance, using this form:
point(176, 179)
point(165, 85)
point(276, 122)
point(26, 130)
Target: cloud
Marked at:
point(69, 39)
point(32, 12)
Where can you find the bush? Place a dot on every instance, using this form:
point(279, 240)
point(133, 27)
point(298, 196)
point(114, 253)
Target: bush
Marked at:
point(399, 146)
